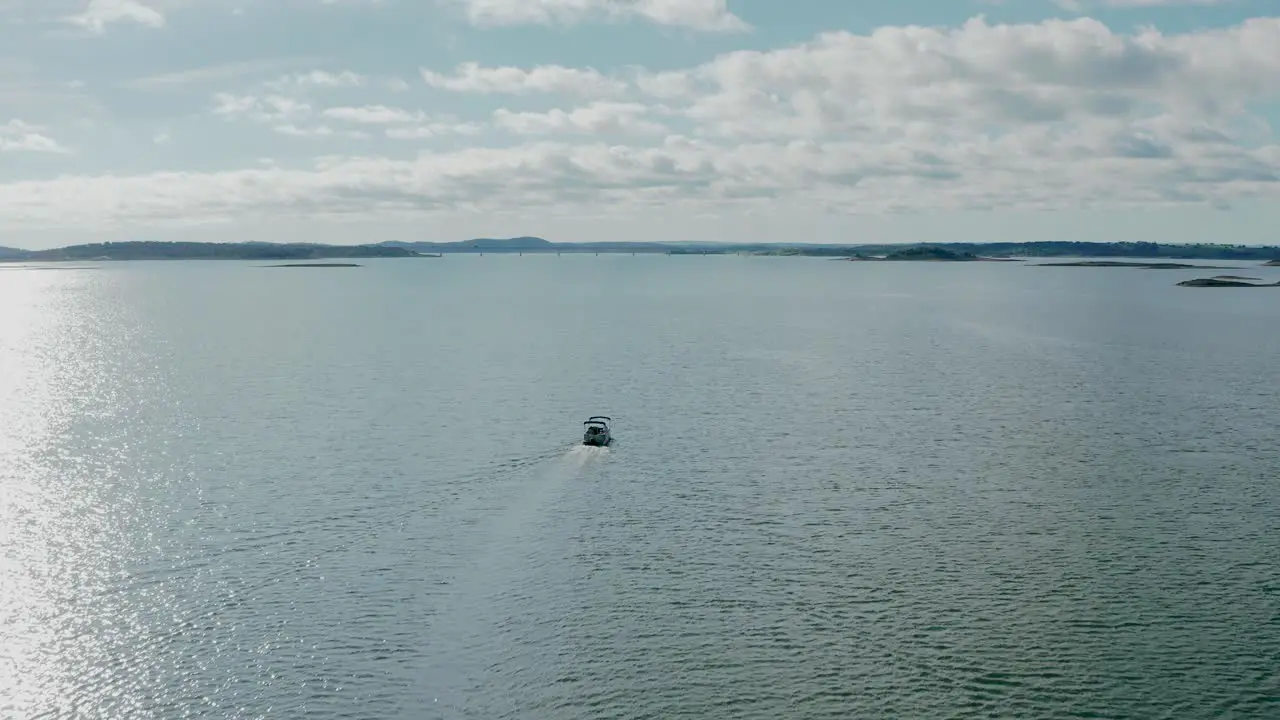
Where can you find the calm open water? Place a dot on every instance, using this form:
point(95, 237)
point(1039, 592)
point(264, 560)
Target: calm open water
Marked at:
point(839, 490)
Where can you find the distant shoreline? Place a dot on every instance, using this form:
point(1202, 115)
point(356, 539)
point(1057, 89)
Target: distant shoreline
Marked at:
point(1136, 254)
point(1142, 265)
point(315, 265)
point(126, 251)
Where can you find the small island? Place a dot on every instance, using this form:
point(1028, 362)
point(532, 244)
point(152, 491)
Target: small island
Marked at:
point(1273, 263)
point(1231, 281)
point(315, 265)
point(928, 253)
point(1126, 264)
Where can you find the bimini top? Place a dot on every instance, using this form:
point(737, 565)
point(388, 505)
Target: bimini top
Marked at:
point(598, 420)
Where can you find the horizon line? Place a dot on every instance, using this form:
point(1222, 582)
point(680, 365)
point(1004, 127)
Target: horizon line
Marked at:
point(767, 243)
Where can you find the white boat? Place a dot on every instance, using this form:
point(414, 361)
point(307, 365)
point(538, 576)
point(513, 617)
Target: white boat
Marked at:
point(597, 431)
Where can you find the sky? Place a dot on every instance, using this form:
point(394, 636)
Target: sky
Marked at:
point(860, 121)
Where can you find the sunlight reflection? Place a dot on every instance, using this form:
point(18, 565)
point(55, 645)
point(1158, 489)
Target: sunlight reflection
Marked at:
point(55, 528)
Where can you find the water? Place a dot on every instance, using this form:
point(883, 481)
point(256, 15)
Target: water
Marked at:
point(838, 490)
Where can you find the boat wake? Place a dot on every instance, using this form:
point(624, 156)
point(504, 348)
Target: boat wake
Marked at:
point(510, 550)
point(580, 456)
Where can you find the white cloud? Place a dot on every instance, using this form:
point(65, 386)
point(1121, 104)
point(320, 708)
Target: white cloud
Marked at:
point(317, 131)
point(318, 79)
point(293, 117)
point(374, 115)
point(600, 117)
point(211, 73)
point(283, 115)
point(417, 132)
point(1058, 114)
point(977, 80)
point(706, 15)
point(432, 129)
point(269, 109)
point(471, 77)
point(19, 136)
point(285, 105)
point(98, 14)
point(665, 85)
point(1113, 163)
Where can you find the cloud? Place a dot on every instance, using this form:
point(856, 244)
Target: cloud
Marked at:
point(101, 13)
point(282, 114)
point(977, 80)
point(1028, 171)
point(293, 117)
point(286, 109)
point(317, 131)
point(471, 77)
point(270, 109)
point(374, 115)
point(318, 79)
point(665, 85)
point(19, 136)
point(705, 15)
point(423, 131)
point(596, 118)
point(1029, 117)
point(211, 73)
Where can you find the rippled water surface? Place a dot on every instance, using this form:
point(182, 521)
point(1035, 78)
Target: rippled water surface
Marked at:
point(839, 490)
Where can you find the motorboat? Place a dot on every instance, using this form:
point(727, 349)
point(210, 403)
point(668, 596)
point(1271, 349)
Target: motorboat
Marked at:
point(597, 431)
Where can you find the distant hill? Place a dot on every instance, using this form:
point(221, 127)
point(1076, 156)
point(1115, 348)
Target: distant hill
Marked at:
point(518, 244)
point(939, 250)
point(930, 253)
point(526, 244)
point(923, 251)
point(207, 251)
